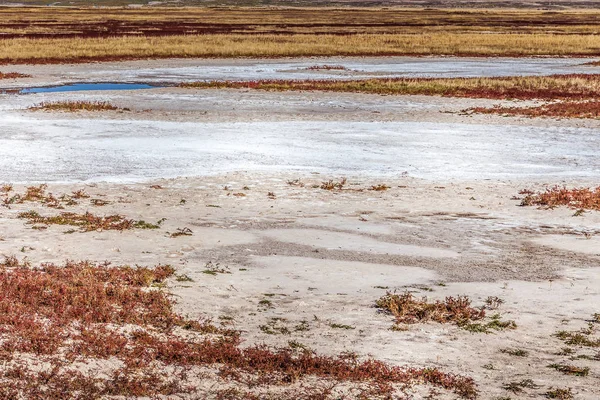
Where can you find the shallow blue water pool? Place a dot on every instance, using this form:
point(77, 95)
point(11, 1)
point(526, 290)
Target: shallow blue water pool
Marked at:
point(78, 87)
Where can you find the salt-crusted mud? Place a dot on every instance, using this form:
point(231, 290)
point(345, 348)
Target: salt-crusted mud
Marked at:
point(180, 70)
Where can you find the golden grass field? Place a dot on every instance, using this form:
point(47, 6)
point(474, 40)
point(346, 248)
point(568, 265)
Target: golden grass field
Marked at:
point(33, 35)
point(236, 46)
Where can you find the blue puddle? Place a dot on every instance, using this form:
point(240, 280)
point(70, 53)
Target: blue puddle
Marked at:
point(78, 87)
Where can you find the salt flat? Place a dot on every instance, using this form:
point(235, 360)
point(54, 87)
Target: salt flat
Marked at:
point(243, 171)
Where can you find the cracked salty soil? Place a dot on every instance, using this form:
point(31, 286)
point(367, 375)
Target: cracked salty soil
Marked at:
point(322, 258)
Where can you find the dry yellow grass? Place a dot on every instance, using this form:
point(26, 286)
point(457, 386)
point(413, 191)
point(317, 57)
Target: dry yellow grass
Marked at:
point(231, 46)
point(85, 34)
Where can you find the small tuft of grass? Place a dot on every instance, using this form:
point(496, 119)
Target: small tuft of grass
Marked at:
point(496, 324)
point(379, 188)
point(141, 224)
point(295, 182)
point(515, 352)
point(99, 202)
point(295, 345)
point(183, 278)
point(409, 310)
point(341, 326)
point(303, 326)
point(560, 394)
point(493, 302)
point(399, 328)
point(182, 232)
point(333, 185)
point(565, 351)
point(275, 326)
point(517, 387)
point(570, 369)
point(265, 303)
point(214, 269)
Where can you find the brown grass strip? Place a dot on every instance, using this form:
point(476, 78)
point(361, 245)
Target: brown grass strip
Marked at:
point(573, 86)
point(587, 109)
point(13, 75)
point(75, 106)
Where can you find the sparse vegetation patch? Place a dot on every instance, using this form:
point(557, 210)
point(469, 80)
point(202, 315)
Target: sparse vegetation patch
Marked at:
point(517, 387)
point(74, 106)
point(515, 352)
point(494, 324)
point(13, 75)
point(86, 222)
point(583, 337)
point(333, 185)
point(570, 369)
point(410, 310)
point(586, 109)
point(39, 194)
point(560, 394)
point(581, 199)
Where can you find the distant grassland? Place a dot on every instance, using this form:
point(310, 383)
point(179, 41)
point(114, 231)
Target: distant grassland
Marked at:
point(106, 22)
point(42, 35)
point(571, 87)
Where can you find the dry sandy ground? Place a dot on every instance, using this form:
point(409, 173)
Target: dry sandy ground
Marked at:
point(325, 257)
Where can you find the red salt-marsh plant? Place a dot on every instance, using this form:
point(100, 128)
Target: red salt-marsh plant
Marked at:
point(38, 194)
point(87, 331)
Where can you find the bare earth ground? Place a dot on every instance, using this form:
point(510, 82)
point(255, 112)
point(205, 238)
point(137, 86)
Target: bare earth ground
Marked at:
point(325, 257)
